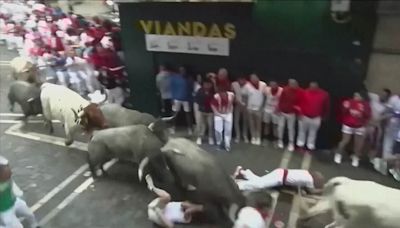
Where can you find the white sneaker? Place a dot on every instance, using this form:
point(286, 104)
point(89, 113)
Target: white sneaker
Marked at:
point(237, 140)
point(355, 161)
point(311, 146)
point(376, 162)
point(395, 173)
point(280, 144)
point(258, 142)
point(246, 140)
point(253, 141)
point(383, 169)
point(198, 141)
point(211, 141)
point(290, 147)
point(338, 158)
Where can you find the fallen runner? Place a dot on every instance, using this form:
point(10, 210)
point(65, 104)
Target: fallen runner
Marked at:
point(165, 213)
point(312, 182)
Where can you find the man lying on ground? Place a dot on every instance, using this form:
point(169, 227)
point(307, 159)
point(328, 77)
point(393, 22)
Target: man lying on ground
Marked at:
point(165, 213)
point(312, 182)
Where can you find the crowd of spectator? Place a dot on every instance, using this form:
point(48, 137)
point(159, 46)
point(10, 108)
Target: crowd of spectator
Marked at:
point(259, 112)
point(68, 49)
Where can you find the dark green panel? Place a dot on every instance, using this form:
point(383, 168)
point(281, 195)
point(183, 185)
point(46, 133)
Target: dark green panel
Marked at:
point(277, 39)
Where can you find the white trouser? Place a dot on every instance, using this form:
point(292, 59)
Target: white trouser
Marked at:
point(115, 95)
point(291, 121)
point(255, 183)
point(15, 42)
point(241, 112)
point(62, 78)
point(308, 126)
point(9, 218)
point(78, 81)
point(390, 135)
point(223, 126)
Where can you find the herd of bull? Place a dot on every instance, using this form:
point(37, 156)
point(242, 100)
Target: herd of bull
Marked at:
point(142, 139)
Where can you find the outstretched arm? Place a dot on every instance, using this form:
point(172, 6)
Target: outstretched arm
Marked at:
point(164, 196)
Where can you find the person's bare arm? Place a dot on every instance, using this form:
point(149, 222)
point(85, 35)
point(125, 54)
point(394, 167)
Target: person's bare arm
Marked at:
point(164, 196)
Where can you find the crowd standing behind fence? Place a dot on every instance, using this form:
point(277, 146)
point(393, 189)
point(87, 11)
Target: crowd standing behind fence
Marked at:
point(373, 122)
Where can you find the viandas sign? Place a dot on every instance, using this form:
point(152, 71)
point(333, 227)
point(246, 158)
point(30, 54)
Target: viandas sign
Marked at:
point(188, 37)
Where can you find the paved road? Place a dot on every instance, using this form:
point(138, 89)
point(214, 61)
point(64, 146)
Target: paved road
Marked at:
point(55, 183)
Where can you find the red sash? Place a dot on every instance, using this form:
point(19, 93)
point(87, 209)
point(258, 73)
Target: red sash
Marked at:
point(285, 173)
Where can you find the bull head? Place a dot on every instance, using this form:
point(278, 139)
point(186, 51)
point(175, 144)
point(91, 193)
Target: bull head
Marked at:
point(78, 115)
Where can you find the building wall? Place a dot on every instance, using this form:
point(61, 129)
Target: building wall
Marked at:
point(276, 39)
point(384, 67)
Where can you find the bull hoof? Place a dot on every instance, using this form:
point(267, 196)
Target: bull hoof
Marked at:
point(68, 142)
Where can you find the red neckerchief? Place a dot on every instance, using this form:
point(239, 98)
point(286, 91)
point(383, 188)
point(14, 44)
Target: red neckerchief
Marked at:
point(255, 85)
point(274, 90)
point(263, 214)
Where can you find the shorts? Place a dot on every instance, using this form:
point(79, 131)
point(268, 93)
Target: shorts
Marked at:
point(177, 105)
point(269, 117)
point(353, 131)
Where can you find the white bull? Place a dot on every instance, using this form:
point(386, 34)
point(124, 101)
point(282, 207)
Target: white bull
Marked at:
point(61, 103)
point(358, 204)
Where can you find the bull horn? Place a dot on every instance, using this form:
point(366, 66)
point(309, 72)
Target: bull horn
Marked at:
point(75, 114)
point(151, 126)
point(142, 164)
point(30, 100)
point(105, 98)
point(169, 118)
point(233, 209)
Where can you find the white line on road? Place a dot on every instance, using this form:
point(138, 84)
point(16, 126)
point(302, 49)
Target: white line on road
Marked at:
point(15, 131)
point(59, 188)
point(29, 121)
point(15, 114)
point(286, 157)
point(294, 211)
point(53, 213)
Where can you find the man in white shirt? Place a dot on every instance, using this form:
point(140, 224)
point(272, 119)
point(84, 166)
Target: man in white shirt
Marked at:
point(255, 102)
point(390, 136)
point(248, 181)
point(165, 213)
point(76, 73)
point(240, 87)
point(271, 118)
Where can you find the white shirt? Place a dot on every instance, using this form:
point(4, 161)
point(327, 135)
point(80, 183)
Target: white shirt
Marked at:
point(377, 107)
point(249, 217)
point(255, 96)
point(299, 177)
point(394, 103)
point(240, 91)
point(172, 212)
point(272, 100)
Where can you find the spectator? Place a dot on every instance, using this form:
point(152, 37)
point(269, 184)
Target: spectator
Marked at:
point(203, 100)
point(356, 114)
point(374, 134)
point(163, 82)
point(272, 94)
point(314, 106)
point(240, 87)
point(255, 104)
point(288, 107)
point(222, 106)
point(76, 74)
point(11, 204)
point(222, 80)
point(391, 136)
point(181, 96)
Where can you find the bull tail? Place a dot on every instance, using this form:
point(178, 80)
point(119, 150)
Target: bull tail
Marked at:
point(11, 101)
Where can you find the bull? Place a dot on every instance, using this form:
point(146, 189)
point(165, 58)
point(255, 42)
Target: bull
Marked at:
point(22, 69)
point(357, 204)
point(134, 143)
point(27, 96)
point(67, 106)
point(118, 116)
point(201, 176)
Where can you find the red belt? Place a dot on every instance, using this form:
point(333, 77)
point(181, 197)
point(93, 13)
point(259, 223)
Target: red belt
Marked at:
point(285, 173)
